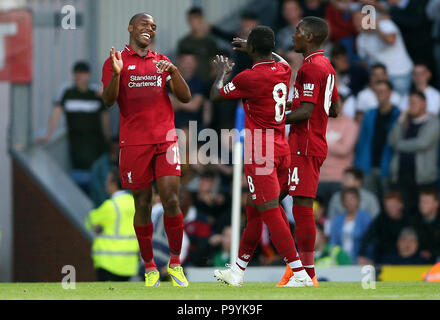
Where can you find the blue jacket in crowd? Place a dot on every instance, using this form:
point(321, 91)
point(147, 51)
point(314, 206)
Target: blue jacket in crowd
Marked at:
point(364, 145)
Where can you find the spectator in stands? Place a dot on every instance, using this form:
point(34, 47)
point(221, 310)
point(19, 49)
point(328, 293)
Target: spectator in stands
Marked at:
point(352, 178)
point(292, 13)
point(209, 199)
point(414, 138)
point(223, 257)
point(191, 111)
point(407, 250)
point(428, 225)
point(313, 8)
point(342, 133)
point(350, 74)
point(200, 42)
point(327, 255)
point(348, 229)
point(384, 230)
point(88, 125)
point(197, 229)
point(367, 99)
point(385, 45)
point(410, 17)
point(421, 76)
point(433, 13)
point(242, 60)
point(100, 169)
point(115, 250)
point(342, 30)
point(373, 153)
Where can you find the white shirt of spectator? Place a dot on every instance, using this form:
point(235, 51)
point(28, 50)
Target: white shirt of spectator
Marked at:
point(432, 101)
point(367, 100)
point(395, 57)
point(347, 236)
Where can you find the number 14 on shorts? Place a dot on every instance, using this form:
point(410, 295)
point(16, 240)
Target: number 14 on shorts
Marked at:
point(293, 178)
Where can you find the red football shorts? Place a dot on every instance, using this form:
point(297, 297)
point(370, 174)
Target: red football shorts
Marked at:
point(266, 180)
point(304, 175)
point(140, 165)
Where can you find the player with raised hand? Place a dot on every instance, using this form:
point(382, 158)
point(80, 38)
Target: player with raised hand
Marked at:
point(315, 99)
point(137, 79)
point(264, 91)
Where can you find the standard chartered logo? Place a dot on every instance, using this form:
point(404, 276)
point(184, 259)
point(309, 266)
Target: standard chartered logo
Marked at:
point(145, 81)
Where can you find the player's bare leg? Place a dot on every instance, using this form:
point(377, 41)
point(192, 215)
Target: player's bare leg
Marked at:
point(168, 187)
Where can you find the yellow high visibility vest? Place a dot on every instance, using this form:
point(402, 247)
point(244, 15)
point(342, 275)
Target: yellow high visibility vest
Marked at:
point(116, 249)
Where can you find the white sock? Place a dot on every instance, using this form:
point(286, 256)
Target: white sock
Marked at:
point(240, 265)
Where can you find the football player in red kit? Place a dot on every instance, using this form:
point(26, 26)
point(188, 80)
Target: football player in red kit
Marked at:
point(264, 91)
point(314, 100)
point(137, 78)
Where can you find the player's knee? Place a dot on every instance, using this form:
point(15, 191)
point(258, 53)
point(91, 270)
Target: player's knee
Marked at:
point(171, 204)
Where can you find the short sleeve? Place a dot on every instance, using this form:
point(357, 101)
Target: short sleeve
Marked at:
point(107, 72)
point(335, 95)
point(238, 88)
point(310, 85)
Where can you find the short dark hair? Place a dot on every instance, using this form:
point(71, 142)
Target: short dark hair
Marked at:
point(338, 50)
point(195, 10)
point(350, 190)
point(429, 192)
point(378, 65)
point(262, 38)
point(137, 15)
point(418, 93)
point(249, 15)
point(81, 66)
point(393, 194)
point(316, 26)
point(357, 173)
point(387, 83)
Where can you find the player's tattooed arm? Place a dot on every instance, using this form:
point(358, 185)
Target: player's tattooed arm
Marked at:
point(334, 109)
point(224, 67)
point(177, 84)
point(301, 114)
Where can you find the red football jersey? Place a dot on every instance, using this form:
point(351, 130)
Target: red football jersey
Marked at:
point(147, 116)
point(315, 83)
point(264, 91)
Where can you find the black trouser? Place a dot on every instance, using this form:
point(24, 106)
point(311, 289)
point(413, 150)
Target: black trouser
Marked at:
point(104, 275)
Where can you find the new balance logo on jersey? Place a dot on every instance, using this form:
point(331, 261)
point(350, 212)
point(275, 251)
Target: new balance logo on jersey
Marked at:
point(309, 86)
point(129, 177)
point(131, 67)
point(308, 89)
point(229, 87)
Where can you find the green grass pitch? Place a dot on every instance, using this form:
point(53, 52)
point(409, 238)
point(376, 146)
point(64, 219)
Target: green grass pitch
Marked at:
point(219, 291)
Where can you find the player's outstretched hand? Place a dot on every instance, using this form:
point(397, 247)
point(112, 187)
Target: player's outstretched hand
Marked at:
point(165, 66)
point(223, 64)
point(116, 59)
point(239, 44)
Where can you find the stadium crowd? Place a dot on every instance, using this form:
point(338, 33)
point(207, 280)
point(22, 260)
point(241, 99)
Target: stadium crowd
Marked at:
point(378, 197)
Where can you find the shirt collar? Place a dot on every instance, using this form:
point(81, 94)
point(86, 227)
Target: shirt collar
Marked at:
point(314, 53)
point(131, 52)
point(262, 62)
